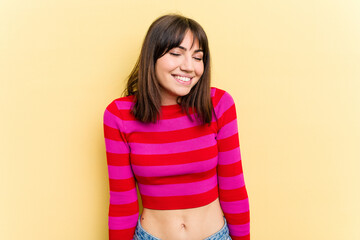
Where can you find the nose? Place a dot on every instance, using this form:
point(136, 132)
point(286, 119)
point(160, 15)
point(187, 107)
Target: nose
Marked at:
point(187, 64)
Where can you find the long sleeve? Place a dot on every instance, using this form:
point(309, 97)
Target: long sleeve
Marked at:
point(232, 192)
point(123, 207)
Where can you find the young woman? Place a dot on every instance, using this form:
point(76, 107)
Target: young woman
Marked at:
point(177, 138)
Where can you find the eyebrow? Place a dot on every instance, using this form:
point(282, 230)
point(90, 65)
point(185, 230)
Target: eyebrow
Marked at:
point(183, 48)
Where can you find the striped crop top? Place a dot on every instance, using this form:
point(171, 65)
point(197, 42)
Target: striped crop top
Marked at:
point(177, 164)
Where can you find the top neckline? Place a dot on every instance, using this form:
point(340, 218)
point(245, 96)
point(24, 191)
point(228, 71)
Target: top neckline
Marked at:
point(168, 109)
point(170, 106)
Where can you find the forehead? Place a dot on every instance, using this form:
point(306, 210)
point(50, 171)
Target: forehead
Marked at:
point(189, 41)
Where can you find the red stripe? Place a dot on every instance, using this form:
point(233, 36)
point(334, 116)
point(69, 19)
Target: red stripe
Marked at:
point(238, 218)
point(228, 116)
point(113, 109)
point(194, 177)
point(128, 116)
point(112, 133)
point(129, 98)
point(233, 194)
point(229, 143)
point(230, 170)
point(121, 210)
point(123, 234)
point(176, 158)
point(121, 185)
point(247, 237)
point(217, 96)
point(117, 159)
point(180, 202)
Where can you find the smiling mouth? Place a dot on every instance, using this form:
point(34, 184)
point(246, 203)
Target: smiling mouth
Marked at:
point(182, 79)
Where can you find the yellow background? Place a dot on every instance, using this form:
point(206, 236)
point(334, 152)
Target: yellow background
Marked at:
point(293, 68)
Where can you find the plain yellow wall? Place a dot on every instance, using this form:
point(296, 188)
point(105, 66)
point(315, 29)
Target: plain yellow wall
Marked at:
point(293, 68)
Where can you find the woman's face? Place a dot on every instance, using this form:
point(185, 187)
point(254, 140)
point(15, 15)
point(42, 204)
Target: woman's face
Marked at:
point(179, 70)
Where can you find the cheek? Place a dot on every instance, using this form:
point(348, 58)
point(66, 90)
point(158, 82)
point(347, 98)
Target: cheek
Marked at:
point(165, 64)
point(199, 69)
point(160, 68)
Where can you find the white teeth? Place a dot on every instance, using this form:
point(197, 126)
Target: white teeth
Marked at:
point(185, 79)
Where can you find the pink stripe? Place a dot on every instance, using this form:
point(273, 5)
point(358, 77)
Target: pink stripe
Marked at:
point(181, 189)
point(228, 130)
point(175, 170)
point(228, 183)
point(123, 105)
point(120, 172)
point(224, 104)
point(235, 206)
point(113, 146)
point(212, 91)
point(123, 197)
point(174, 147)
point(111, 120)
point(230, 156)
point(239, 230)
point(162, 125)
point(124, 222)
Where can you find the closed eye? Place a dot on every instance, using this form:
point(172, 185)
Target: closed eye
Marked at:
point(175, 54)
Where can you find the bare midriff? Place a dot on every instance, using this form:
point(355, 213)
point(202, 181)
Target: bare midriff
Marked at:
point(183, 224)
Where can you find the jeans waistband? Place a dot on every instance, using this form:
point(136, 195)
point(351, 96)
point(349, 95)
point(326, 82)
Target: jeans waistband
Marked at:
point(141, 234)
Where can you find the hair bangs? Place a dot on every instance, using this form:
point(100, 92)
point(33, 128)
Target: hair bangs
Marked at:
point(200, 36)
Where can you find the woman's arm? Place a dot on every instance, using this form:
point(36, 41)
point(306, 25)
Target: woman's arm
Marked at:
point(123, 207)
point(232, 191)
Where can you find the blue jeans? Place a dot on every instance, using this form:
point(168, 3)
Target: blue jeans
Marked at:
point(141, 234)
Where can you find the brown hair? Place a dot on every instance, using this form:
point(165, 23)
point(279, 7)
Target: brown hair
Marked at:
point(165, 33)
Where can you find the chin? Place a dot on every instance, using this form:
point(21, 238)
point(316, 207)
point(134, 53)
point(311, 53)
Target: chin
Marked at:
point(183, 93)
